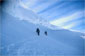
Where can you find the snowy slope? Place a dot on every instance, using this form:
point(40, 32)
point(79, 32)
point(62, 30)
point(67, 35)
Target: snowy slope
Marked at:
point(19, 38)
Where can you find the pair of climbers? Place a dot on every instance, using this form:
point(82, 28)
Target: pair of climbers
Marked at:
point(38, 32)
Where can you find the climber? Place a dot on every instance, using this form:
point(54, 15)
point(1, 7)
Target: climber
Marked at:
point(38, 31)
point(45, 33)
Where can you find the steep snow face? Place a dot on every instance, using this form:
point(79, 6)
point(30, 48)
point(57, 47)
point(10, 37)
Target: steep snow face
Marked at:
point(19, 38)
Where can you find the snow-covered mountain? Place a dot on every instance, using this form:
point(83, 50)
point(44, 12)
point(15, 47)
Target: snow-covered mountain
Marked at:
point(19, 38)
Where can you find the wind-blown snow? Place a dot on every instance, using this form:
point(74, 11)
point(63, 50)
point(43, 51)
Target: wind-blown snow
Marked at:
point(22, 13)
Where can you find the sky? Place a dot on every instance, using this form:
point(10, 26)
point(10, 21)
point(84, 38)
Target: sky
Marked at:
point(68, 14)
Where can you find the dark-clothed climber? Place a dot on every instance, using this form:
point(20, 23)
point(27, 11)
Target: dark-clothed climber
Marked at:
point(45, 33)
point(38, 31)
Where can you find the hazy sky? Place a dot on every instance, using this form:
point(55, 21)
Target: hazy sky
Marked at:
point(67, 14)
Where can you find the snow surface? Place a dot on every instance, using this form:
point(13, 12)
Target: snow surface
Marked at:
point(19, 38)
